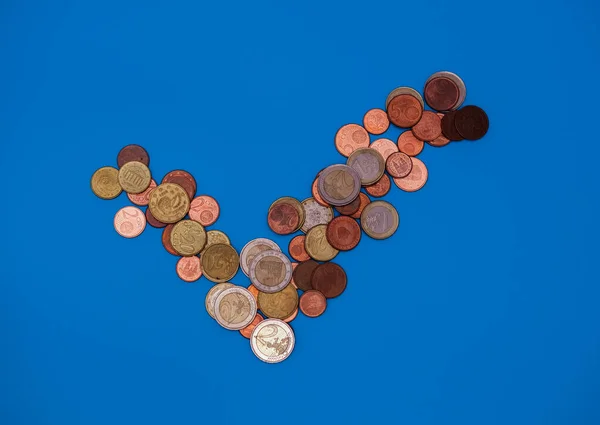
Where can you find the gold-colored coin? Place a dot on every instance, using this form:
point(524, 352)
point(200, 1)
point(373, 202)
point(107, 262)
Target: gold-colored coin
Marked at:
point(169, 203)
point(317, 246)
point(134, 177)
point(188, 237)
point(105, 183)
point(215, 236)
point(297, 206)
point(279, 305)
point(220, 262)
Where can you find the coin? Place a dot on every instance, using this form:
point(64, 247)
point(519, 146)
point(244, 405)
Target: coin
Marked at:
point(296, 248)
point(270, 271)
point(379, 220)
point(211, 297)
point(272, 341)
point(315, 192)
point(404, 90)
point(462, 89)
point(152, 221)
point(448, 127)
point(381, 188)
point(283, 219)
point(143, 198)
point(105, 183)
point(315, 214)
point(294, 265)
point(429, 126)
point(134, 177)
point(215, 236)
point(303, 273)
point(441, 93)
point(409, 144)
point(368, 163)
point(132, 153)
point(351, 137)
point(416, 179)
point(169, 203)
point(189, 268)
point(441, 140)
point(329, 279)
point(166, 239)
point(188, 237)
point(317, 246)
point(404, 110)
point(351, 208)
point(385, 147)
point(291, 316)
point(247, 331)
point(129, 222)
point(398, 165)
point(376, 121)
point(343, 233)
point(471, 122)
point(313, 303)
point(220, 262)
point(235, 308)
point(364, 201)
point(339, 184)
point(254, 291)
point(297, 206)
point(279, 305)
point(252, 249)
point(183, 179)
point(204, 209)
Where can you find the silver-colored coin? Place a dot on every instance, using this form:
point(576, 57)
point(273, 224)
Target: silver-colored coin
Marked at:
point(379, 220)
point(404, 90)
point(270, 271)
point(462, 88)
point(272, 341)
point(252, 249)
point(211, 297)
point(235, 308)
point(369, 165)
point(315, 214)
point(339, 184)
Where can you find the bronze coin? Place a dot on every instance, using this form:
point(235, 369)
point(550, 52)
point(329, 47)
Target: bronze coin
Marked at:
point(441, 94)
point(471, 122)
point(297, 250)
point(376, 121)
point(283, 218)
point(429, 126)
point(133, 153)
point(329, 279)
point(343, 233)
point(448, 128)
point(398, 165)
point(441, 140)
point(381, 188)
point(183, 179)
point(247, 331)
point(302, 274)
point(153, 221)
point(364, 201)
point(166, 239)
point(349, 209)
point(409, 144)
point(416, 179)
point(404, 110)
point(316, 194)
point(351, 137)
point(313, 303)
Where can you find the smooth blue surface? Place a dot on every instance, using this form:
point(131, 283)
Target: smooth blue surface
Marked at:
point(482, 309)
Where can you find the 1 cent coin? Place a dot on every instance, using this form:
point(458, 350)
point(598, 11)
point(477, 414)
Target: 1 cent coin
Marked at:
point(235, 308)
point(302, 274)
point(364, 201)
point(272, 341)
point(220, 262)
point(189, 268)
point(152, 221)
point(317, 246)
point(313, 303)
point(429, 126)
point(105, 183)
point(381, 188)
point(351, 208)
point(385, 147)
point(343, 233)
point(441, 93)
point(416, 179)
point(448, 127)
point(351, 137)
point(279, 305)
point(404, 110)
point(471, 122)
point(409, 144)
point(247, 331)
point(398, 165)
point(133, 153)
point(188, 237)
point(183, 179)
point(169, 203)
point(368, 163)
point(271, 271)
point(129, 222)
point(379, 220)
point(166, 239)
point(441, 140)
point(376, 121)
point(329, 279)
point(339, 184)
point(134, 177)
point(296, 248)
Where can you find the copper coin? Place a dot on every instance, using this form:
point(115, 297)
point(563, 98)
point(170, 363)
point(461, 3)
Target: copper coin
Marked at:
point(441, 140)
point(349, 209)
point(166, 239)
point(404, 110)
point(297, 250)
point(376, 121)
point(398, 165)
point(462, 89)
point(292, 316)
point(313, 303)
point(351, 137)
point(247, 331)
point(254, 291)
point(441, 93)
point(294, 265)
point(429, 126)
point(385, 147)
point(471, 122)
point(189, 268)
point(204, 209)
point(343, 233)
point(302, 274)
point(153, 221)
point(416, 179)
point(364, 201)
point(381, 188)
point(132, 153)
point(283, 218)
point(129, 222)
point(316, 194)
point(448, 128)
point(144, 197)
point(409, 144)
point(183, 179)
point(329, 279)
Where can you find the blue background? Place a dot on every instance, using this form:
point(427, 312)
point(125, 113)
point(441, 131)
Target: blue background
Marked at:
point(483, 307)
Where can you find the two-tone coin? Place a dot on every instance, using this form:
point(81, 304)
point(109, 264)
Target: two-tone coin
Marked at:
point(368, 163)
point(220, 262)
point(270, 271)
point(252, 249)
point(235, 308)
point(211, 296)
point(272, 341)
point(339, 184)
point(315, 214)
point(379, 220)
